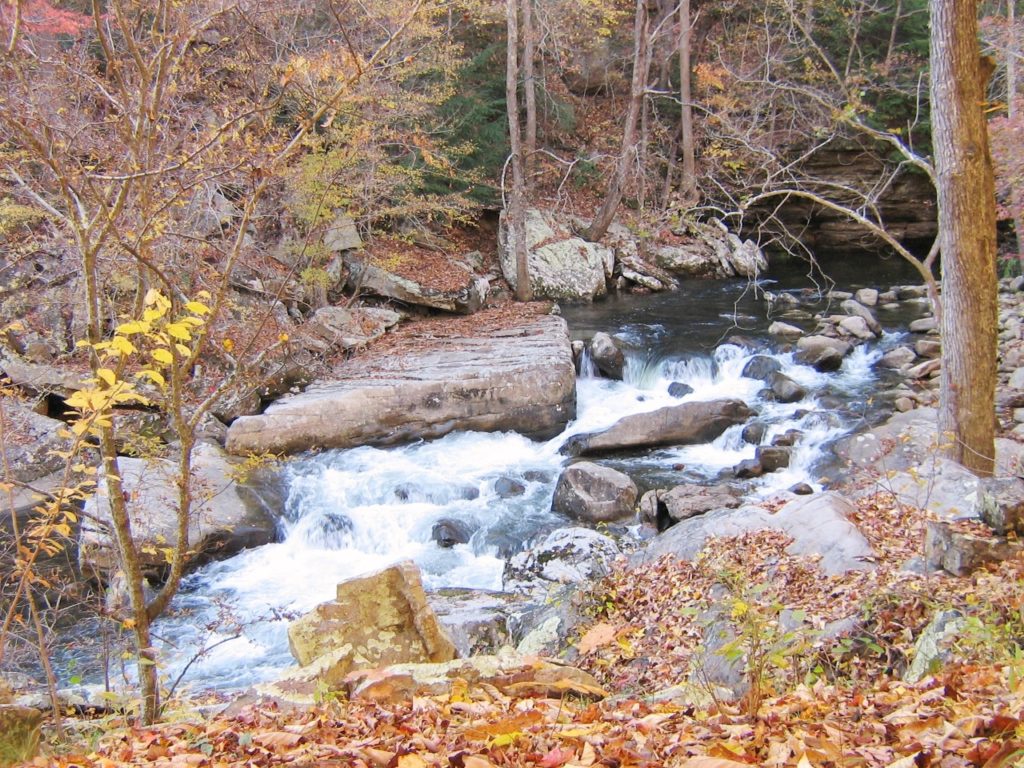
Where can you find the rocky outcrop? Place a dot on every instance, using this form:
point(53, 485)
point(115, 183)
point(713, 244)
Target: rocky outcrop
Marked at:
point(519, 379)
point(349, 328)
point(466, 298)
point(30, 442)
point(560, 264)
point(594, 494)
point(686, 424)
point(961, 553)
point(374, 620)
point(221, 522)
point(817, 524)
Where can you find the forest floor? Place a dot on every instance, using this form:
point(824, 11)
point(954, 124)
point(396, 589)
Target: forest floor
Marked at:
point(816, 698)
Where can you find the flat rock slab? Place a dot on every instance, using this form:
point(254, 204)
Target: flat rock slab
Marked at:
point(817, 524)
point(518, 379)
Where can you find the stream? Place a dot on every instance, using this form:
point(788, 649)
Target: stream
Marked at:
point(352, 511)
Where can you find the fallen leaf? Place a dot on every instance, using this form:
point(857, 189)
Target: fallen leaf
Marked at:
point(595, 637)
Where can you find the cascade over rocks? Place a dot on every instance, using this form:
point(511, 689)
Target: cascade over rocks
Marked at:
point(223, 520)
point(685, 424)
point(594, 494)
point(519, 379)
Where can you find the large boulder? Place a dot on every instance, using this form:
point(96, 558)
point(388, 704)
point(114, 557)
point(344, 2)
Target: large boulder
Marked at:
point(661, 509)
point(519, 379)
point(564, 556)
point(854, 308)
point(822, 352)
point(374, 620)
point(818, 525)
point(761, 367)
point(594, 494)
point(460, 290)
point(221, 522)
point(31, 442)
point(560, 264)
point(686, 424)
point(607, 356)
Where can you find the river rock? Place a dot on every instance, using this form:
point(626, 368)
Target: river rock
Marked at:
point(564, 556)
point(560, 265)
point(520, 379)
point(661, 509)
point(221, 522)
point(785, 330)
point(593, 494)
point(754, 432)
point(929, 368)
point(509, 673)
point(507, 488)
point(448, 532)
point(748, 468)
point(817, 524)
point(685, 424)
point(856, 327)
point(897, 358)
point(607, 356)
point(923, 325)
point(377, 619)
point(1000, 504)
point(930, 348)
point(772, 457)
point(786, 390)
point(855, 308)
point(821, 352)
point(679, 389)
point(761, 368)
point(866, 296)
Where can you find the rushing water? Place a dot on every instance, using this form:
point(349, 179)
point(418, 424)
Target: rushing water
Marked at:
point(351, 511)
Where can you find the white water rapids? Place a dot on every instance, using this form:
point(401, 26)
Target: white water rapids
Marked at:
point(357, 510)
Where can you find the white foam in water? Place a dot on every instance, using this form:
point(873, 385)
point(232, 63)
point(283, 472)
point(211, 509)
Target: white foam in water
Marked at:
point(350, 512)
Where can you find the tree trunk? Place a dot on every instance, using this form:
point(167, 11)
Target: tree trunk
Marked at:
point(638, 86)
point(967, 236)
point(1011, 59)
point(529, 88)
point(688, 187)
point(516, 206)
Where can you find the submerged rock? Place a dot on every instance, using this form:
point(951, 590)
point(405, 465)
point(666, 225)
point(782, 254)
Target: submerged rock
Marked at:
point(684, 424)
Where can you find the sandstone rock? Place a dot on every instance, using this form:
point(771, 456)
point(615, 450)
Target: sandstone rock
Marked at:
point(821, 352)
point(963, 553)
point(867, 296)
point(594, 494)
point(818, 524)
point(786, 390)
point(560, 265)
point(564, 556)
point(785, 330)
point(511, 674)
point(607, 356)
point(378, 619)
point(761, 368)
point(855, 308)
point(685, 424)
point(380, 281)
point(519, 379)
point(342, 235)
point(221, 523)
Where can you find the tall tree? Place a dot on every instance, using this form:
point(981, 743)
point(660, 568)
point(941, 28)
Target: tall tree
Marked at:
point(517, 203)
point(967, 234)
point(688, 186)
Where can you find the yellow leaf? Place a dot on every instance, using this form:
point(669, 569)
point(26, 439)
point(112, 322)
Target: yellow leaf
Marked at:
point(228, 344)
point(156, 299)
point(197, 308)
point(107, 376)
point(179, 331)
point(162, 356)
point(135, 326)
point(411, 761)
point(183, 350)
point(154, 376)
point(128, 623)
point(122, 346)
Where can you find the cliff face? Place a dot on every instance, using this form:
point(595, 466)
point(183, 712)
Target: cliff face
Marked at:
point(904, 204)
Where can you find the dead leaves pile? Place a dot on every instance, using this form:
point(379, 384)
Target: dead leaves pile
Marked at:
point(847, 707)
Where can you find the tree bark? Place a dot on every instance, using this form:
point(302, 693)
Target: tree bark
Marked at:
point(516, 207)
point(529, 88)
point(688, 186)
point(967, 236)
point(638, 86)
